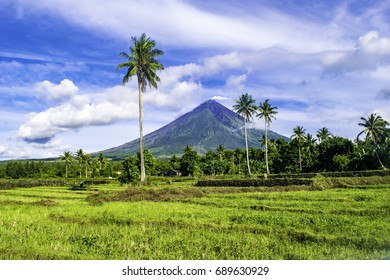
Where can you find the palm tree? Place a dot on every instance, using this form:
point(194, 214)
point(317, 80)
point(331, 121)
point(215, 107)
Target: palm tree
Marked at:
point(323, 134)
point(67, 157)
point(87, 162)
point(245, 106)
point(375, 129)
point(310, 146)
point(299, 134)
point(221, 151)
point(102, 161)
point(80, 158)
point(267, 112)
point(142, 62)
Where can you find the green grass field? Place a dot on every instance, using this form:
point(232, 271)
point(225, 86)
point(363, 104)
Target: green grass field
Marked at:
point(193, 223)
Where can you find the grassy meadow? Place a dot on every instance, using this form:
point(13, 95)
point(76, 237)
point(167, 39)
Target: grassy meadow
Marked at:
point(175, 220)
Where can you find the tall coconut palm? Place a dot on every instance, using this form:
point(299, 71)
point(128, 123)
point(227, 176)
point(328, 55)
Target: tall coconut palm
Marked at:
point(67, 157)
point(102, 161)
point(80, 158)
point(246, 106)
point(267, 112)
point(375, 129)
point(142, 62)
point(299, 134)
point(309, 146)
point(87, 162)
point(323, 134)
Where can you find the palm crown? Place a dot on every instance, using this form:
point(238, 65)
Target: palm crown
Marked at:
point(245, 106)
point(374, 127)
point(267, 111)
point(142, 62)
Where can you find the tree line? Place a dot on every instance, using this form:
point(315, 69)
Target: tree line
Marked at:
point(79, 165)
point(310, 149)
point(324, 152)
point(306, 153)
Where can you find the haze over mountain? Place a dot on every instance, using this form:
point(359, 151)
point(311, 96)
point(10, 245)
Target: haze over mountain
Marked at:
point(204, 128)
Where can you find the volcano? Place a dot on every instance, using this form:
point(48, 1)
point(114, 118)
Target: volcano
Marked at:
point(204, 128)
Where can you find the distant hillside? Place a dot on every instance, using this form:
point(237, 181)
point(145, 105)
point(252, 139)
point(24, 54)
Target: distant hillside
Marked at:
point(204, 128)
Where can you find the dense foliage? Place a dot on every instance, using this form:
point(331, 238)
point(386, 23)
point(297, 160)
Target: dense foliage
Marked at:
point(303, 154)
point(330, 155)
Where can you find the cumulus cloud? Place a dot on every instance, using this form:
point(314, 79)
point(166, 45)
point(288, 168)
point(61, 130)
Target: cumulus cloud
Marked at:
point(65, 89)
point(77, 112)
point(236, 81)
point(43, 126)
point(371, 52)
point(2, 150)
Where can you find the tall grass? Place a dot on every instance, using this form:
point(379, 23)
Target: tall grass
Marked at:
point(182, 222)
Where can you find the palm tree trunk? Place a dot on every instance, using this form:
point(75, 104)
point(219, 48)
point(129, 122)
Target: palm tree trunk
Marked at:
point(66, 170)
point(246, 147)
point(141, 144)
point(380, 162)
point(300, 157)
point(266, 147)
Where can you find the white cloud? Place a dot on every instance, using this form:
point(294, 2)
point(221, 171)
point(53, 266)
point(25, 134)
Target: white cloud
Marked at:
point(65, 89)
point(224, 61)
point(255, 28)
point(173, 97)
point(220, 98)
point(45, 125)
point(381, 74)
point(371, 52)
point(2, 150)
point(80, 111)
point(371, 43)
point(236, 81)
point(17, 152)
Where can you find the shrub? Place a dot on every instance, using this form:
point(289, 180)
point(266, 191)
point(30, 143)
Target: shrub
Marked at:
point(130, 172)
point(357, 173)
point(252, 183)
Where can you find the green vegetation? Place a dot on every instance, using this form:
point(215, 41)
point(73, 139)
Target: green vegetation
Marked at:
point(142, 62)
point(298, 199)
point(267, 112)
point(81, 166)
point(172, 219)
point(245, 106)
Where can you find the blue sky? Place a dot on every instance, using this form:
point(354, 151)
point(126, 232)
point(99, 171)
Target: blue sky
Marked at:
point(322, 63)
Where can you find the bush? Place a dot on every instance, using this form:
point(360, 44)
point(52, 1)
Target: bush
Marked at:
point(293, 176)
point(252, 183)
point(358, 173)
point(10, 184)
point(30, 183)
point(130, 171)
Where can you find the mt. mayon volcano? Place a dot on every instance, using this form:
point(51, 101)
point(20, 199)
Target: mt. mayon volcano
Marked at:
point(204, 128)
